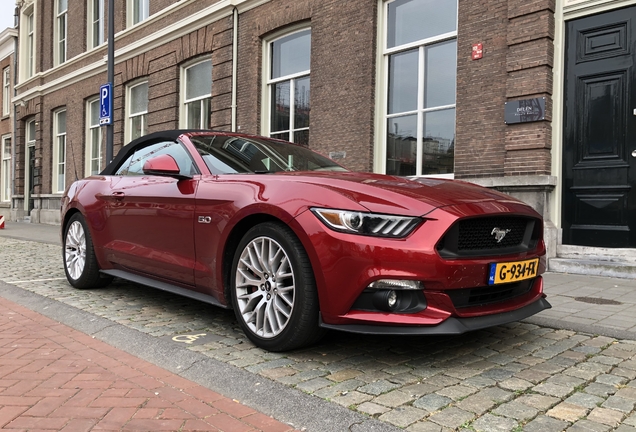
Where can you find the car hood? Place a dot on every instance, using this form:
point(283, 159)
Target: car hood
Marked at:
point(391, 194)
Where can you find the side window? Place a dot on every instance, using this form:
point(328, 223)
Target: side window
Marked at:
point(133, 166)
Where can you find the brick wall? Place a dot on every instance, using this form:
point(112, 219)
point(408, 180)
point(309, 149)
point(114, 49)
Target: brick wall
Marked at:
point(516, 64)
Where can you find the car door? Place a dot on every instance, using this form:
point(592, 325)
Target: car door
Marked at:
point(150, 218)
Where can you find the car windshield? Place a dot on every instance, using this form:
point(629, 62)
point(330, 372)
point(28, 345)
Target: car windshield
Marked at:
point(239, 155)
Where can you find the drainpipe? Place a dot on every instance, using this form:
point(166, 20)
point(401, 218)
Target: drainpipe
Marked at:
point(234, 64)
point(14, 144)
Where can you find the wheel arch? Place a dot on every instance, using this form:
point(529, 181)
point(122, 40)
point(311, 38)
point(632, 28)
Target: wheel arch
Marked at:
point(235, 236)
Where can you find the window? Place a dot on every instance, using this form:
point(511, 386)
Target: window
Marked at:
point(27, 68)
point(6, 92)
point(137, 110)
point(138, 10)
point(288, 87)
point(60, 32)
point(5, 170)
point(420, 55)
point(95, 23)
point(93, 139)
point(133, 165)
point(59, 151)
point(197, 93)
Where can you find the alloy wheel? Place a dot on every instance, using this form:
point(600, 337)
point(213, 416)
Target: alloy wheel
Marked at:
point(75, 250)
point(265, 287)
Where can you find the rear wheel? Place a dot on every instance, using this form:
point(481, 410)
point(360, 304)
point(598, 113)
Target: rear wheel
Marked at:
point(80, 263)
point(273, 289)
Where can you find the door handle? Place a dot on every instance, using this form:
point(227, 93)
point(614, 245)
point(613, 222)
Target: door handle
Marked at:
point(114, 196)
point(634, 153)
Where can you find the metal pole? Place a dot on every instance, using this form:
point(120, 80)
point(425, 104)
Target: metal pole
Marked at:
point(111, 76)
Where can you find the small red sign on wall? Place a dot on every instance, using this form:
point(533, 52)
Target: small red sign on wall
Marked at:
point(478, 51)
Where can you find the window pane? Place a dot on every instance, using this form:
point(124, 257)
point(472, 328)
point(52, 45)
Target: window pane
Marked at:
point(199, 80)
point(301, 102)
point(61, 122)
point(280, 106)
point(140, 10)
point(139, 98)
point(413, 20)
point(6, 176)
point(291, 54)
point(96, 150)
point(193, 115)
point(31, 131)
point(441, 74)
point(61, 6)
point(95, 113)
point(439, 142)
point(137, 126)
point(281, 136)
point(62, 39)
point(302, 137)
point(403, 81)
point(401, 145)
point(61, 155)
point(6, 148)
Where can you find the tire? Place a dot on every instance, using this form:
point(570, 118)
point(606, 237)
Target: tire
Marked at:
point(274, 299)
point(80, 263)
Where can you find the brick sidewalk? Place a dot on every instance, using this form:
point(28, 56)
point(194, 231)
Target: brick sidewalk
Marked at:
point(53, 377)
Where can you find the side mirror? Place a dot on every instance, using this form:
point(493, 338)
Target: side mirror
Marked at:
point(163, 165)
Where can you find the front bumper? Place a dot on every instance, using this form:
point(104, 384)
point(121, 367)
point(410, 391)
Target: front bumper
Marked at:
point(452, 325)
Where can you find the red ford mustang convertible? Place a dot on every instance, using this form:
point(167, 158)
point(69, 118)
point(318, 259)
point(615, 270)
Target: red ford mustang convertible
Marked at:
point(296, 244)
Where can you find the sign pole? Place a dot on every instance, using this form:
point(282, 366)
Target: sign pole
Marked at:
point(111, 75)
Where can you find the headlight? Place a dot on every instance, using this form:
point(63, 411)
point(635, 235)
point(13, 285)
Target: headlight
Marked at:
point(372, 224)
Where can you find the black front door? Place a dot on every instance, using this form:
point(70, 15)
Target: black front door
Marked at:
point(599, 146)
point(31, 177)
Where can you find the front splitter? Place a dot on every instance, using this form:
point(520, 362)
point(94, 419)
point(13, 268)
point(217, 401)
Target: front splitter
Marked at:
point(450, 326)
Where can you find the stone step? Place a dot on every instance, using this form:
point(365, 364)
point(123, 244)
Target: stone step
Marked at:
point(620, 255)
point(593, 267)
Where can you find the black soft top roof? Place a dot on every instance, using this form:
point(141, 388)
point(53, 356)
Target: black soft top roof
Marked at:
point(128, 149)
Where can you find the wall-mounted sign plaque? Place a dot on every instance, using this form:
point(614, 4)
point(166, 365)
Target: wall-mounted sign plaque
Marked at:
point(525, 110)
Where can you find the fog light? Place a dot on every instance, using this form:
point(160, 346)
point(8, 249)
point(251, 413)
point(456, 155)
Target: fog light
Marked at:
point(391, 299)
point(386, 300)
point(392, 284)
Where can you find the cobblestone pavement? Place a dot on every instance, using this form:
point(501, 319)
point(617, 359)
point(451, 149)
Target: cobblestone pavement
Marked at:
point(509, 378)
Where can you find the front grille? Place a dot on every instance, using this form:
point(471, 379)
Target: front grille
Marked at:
point(471, 297)
point(488, 236)
point(477, 234)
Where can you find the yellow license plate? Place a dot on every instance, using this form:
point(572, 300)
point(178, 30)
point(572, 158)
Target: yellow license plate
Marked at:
point(512, 271)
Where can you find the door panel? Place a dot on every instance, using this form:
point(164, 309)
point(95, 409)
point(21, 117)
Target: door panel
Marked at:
point(150, 224)
point(599, 196)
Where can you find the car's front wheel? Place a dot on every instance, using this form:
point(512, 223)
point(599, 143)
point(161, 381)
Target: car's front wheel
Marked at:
point(273, 289)
point(80, 263)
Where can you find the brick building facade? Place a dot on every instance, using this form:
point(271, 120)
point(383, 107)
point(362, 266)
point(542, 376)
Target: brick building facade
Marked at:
point(8, 39)
point(392, 85)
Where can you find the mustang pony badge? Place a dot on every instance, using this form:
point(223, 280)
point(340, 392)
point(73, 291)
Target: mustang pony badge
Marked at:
point(499, 233)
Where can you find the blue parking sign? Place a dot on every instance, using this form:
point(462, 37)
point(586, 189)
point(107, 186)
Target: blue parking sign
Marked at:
point(106, 104)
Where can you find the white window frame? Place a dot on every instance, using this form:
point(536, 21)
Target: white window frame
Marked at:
point(61, 35)
point(268, 83)
point(94, 40)
point(382, 114)
point(5, 171)
point(130, 11)
point(90, 127)
point(28, 46)
point(130, 116)
point(183, 108)
point(59, 165)
point(6, 91)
